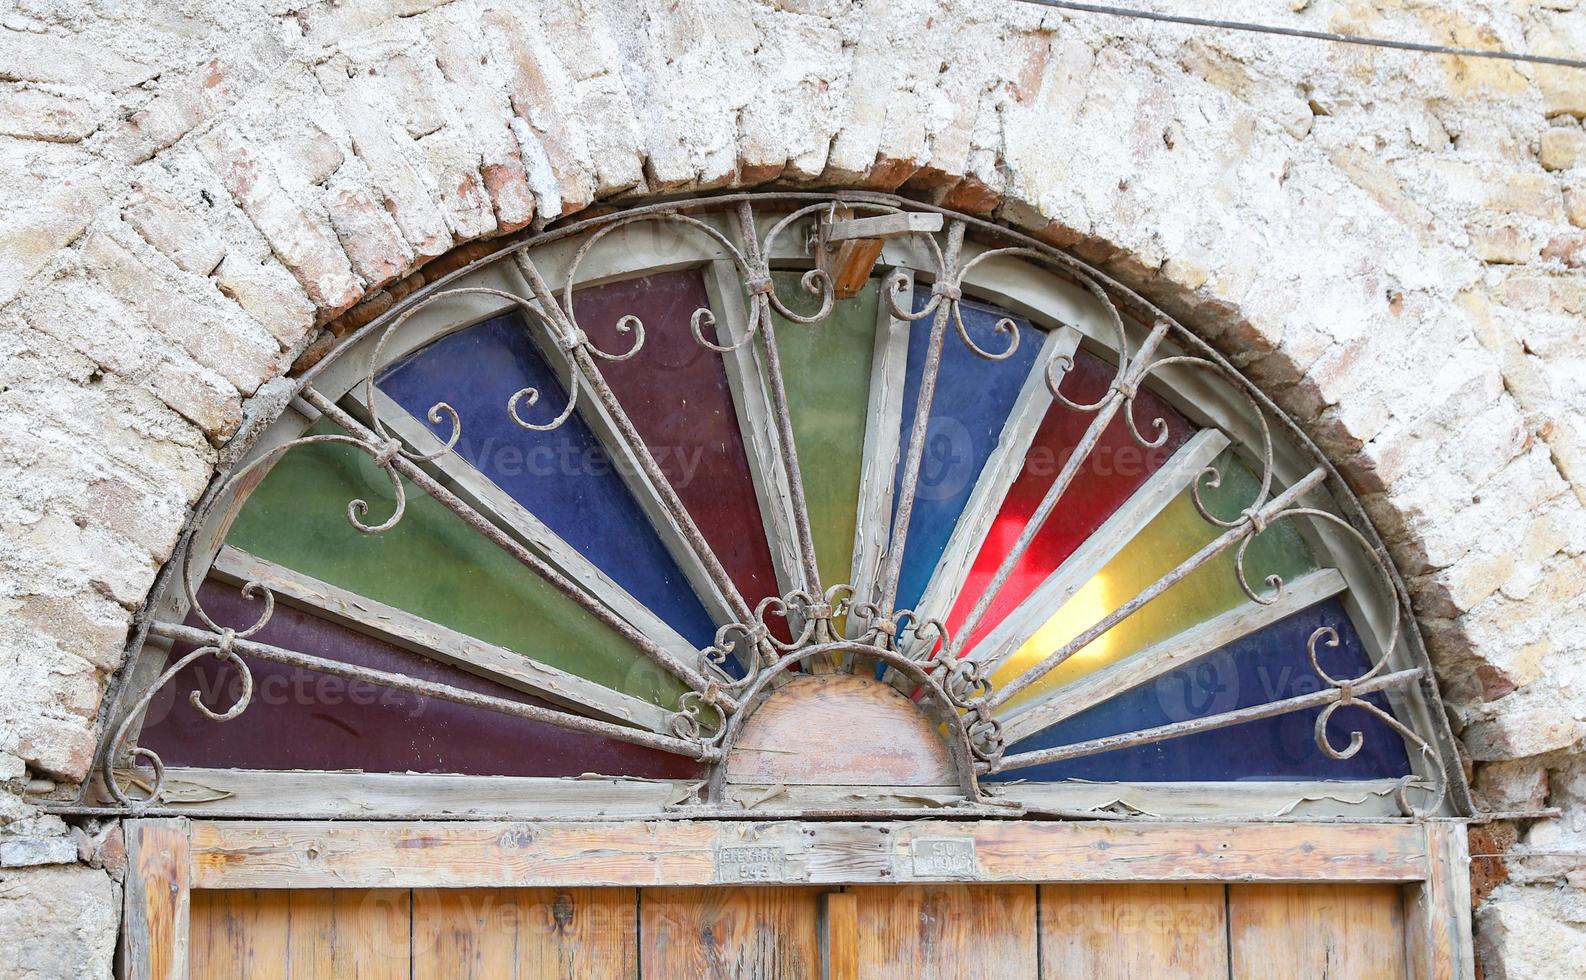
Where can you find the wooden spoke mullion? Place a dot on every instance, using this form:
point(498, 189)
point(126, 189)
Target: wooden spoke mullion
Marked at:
point(1101, 547)
point(618, 433)
point(442, 692)
point(1212, 549)
point(663, 658)
point(1207, 723)
point(879, 471)
point(1177, 651)
point(439, 643)
point(1108, 410)
point(1002, 469)
point(914, 450)
point(497, 506)
point(762, 438)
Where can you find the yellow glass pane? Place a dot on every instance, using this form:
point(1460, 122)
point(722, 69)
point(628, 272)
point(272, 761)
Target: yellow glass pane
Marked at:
point(1173, 536)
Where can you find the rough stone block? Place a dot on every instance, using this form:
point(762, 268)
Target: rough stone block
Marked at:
point(1524, 934)
point(372, 241)
point(178, 232)
point(58, 213)
point(1562, 147)
point(35, 114)
point(1567, 250)
point(58, 922)
point(80, 313)
point(480, 99)
point(545, 106)
point(24, 852)
point(1506, 244)
point(402, 190)
point(192, 313)
point(1536, 719)
point(1575, 206)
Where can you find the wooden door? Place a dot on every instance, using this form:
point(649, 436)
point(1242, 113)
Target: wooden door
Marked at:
point(873, 931)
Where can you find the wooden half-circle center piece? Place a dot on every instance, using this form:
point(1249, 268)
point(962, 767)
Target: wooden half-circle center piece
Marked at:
point(839, 730)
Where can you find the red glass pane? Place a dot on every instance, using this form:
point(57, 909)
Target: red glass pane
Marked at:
point(1115, 469)
point(675, 392)
point(302, 719)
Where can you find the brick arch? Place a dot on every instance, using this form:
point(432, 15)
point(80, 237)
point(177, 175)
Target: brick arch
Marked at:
point(213, 200)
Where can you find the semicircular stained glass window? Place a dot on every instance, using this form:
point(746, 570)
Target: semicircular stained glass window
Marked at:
point(665, 506)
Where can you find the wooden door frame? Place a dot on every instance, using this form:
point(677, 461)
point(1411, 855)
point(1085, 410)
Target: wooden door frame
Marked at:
point(168, 857)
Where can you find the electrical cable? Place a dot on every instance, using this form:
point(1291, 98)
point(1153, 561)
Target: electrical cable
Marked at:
point(1249, 28)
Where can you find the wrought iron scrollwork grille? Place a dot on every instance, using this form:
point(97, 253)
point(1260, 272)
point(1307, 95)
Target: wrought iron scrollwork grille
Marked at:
point(818, 624)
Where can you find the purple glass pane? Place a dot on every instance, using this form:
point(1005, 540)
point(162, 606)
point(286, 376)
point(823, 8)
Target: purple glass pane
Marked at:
point(308, 720)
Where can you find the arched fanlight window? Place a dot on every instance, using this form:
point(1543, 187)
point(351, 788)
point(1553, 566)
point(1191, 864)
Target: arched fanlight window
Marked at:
point(696, 498)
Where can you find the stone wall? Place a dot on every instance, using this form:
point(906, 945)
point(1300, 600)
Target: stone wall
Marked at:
point(1392, 244)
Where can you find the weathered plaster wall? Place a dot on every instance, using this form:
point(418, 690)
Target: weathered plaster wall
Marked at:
point(1393, 244)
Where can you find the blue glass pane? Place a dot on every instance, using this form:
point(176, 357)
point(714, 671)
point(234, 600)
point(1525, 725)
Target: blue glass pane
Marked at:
point(563, 477)
point(973, 399)
point(1266, 666)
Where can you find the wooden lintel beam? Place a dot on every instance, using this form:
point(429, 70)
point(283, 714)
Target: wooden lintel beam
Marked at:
point(359, 854)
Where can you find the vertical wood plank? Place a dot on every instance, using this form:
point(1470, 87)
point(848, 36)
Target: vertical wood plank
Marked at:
point(839, 934)
point(1117, 931)
point(240, 933)
point(262, 933)
point(729, 933)
point(453, 932)
point(525, 933)
point(1342, 932)
point(360, 933)
point(1437, 927)
point(942, 931)
point(154, 935)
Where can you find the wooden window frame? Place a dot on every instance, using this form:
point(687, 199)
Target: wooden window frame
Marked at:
point(167, 858)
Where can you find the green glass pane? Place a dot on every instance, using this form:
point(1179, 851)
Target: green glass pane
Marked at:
point(1174, 535)
point(826, 368)
point(432, 564)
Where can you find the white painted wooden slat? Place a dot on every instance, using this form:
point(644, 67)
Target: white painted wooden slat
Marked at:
point(439, 643)
point(318, 794)
point(625, 459)
point(1177, 651)
point(745, 368)
point(882, 450)
point(497, 506)
point(1089, 558)
point(1002, 468)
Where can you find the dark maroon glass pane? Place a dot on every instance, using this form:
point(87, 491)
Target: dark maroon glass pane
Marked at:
point(675, 391)
point(308, 720)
